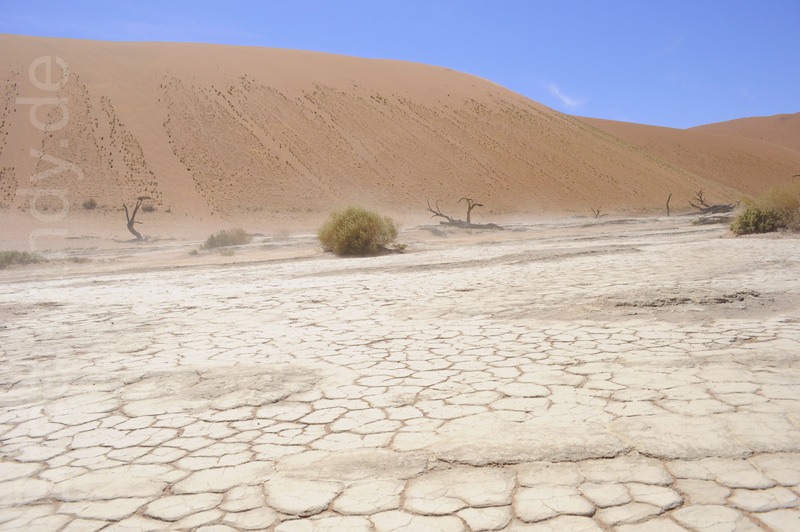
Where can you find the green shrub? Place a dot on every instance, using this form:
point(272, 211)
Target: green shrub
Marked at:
point(90, 204)
point(357, 231)
point(8, 258)
point(777, 208)
point(754, 220)
point(227, 237)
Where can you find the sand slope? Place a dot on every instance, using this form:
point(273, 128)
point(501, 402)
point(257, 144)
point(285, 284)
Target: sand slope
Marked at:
point(749, 155)
point(782, 130)
point(241, 131)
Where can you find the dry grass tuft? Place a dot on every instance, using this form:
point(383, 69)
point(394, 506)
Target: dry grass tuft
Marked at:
point(355, 231)
point(227, 237)
point(10, 258)
point(778, 208)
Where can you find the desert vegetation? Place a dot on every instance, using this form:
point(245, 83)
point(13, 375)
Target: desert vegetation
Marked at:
point(227, 237)
point(778, 208)
point(10, 258)
point(355, 231)
point(90, 204)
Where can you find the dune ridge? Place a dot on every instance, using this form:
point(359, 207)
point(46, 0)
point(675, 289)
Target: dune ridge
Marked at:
point(242, 131)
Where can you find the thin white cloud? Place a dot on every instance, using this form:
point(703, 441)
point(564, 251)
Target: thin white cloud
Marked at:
point(569, 102)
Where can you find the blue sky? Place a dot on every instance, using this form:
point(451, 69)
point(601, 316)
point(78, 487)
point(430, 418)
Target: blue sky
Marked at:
point(676, 63)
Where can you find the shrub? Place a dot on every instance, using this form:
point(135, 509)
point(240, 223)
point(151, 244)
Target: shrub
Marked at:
point(148, 208)
point(90, 204)
point(227, 237)
point(754, 220)
point(784, 199)
point(793, 221)
point(356, 231)
point(8, 258)
point(777, 208)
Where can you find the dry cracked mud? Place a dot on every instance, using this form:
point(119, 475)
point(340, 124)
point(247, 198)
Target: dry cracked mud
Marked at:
point(532, 383)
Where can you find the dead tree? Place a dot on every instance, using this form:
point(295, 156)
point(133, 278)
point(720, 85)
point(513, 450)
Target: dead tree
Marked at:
point(701, 201)
point(132, 217)
point(437, 213)
point(705, 208)
point(470, 205)
point(449, 220)
point(596, 212)
point(668, 198)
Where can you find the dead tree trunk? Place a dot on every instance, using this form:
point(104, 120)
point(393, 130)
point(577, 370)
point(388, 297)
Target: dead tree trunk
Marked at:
point(668, 198)
point(132, 217)
point(470, 205)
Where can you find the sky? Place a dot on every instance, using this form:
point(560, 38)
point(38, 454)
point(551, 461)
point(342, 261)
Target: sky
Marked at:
point(675, 63)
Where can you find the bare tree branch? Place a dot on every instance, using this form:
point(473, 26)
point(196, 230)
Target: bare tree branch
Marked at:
point(705, 208)
point(701, 201)
point(437, 212)
point(131, 218)
point(448, 220)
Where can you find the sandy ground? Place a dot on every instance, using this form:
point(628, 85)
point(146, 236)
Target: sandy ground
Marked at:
point(631, 374)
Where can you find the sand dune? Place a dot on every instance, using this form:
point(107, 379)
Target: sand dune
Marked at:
point(737, 160)
point(235, 132)
point(782, 130)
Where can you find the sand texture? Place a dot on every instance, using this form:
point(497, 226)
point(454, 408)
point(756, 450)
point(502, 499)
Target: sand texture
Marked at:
point(236, 132)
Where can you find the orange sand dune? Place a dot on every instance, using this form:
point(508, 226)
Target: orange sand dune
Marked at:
point(734, 154)
point(783, 130)
point(248, 132)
